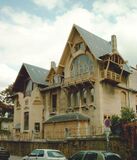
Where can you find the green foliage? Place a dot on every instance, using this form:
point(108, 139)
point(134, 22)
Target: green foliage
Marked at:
point(115, 119)
point(127, 114)
point(6, 93)
point(116, 125)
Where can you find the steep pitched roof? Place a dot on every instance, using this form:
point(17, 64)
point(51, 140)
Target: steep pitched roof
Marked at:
point(97, 45)
point(67, 117)
point(37, 74)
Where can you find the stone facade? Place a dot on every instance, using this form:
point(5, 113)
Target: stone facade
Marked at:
point(91, 82)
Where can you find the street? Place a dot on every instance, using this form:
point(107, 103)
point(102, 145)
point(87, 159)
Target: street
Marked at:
point(15, 157)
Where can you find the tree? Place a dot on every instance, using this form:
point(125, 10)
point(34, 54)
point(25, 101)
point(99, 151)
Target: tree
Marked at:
point(5, 95)
point(127, 114)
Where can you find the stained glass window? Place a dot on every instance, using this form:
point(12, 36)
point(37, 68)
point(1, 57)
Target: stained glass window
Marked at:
point(81, 65)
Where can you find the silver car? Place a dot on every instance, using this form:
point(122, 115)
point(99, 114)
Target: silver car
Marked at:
point(95, 155)
point(45, 154)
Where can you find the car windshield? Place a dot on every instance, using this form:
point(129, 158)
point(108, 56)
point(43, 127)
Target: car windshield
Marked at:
point(112, 157)
point(34, 153)
point(54, 154)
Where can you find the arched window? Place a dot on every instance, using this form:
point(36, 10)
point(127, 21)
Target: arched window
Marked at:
point(123, 99)
point(80, 65)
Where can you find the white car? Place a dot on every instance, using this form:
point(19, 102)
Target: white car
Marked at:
point(45, 154)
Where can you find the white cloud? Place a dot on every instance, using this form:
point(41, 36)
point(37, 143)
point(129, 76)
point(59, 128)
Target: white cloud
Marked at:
point(50, 4)
point(7, 76)
point(31, 39)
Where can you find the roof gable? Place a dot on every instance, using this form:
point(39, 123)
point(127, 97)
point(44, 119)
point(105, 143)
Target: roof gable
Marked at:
point(36, 74)
point(98, 46)
point(52, 71)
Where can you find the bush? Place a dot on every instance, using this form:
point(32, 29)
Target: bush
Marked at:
point(116, 125)
point(127, 114)
point(115, 119)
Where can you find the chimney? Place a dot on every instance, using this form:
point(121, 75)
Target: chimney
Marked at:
point(114, 43)
point(53, 64)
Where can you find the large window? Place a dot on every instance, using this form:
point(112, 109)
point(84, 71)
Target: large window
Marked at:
point(81, 65)
point(26, 120)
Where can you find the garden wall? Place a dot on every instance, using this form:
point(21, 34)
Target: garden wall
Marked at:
point(69, 146)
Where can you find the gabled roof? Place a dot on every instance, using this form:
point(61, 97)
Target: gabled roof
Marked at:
point(68, 117)
point(37, 74)
point(98, 46)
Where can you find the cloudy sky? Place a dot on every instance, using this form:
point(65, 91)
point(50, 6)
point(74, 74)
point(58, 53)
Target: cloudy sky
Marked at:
point(35, 31)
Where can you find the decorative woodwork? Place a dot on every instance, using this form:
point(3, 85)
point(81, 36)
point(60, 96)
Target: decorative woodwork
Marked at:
point(112, 69)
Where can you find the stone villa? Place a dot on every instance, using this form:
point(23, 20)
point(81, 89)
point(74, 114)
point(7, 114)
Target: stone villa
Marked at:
point(91, 82)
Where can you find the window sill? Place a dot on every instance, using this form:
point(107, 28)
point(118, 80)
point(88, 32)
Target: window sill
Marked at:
point(26, 131)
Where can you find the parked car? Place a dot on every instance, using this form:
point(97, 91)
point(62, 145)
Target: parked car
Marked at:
point(4, 154)
point(45, 154)
point(95, 155)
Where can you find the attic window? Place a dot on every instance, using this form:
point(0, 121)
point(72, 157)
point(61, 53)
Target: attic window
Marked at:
point(79, 46)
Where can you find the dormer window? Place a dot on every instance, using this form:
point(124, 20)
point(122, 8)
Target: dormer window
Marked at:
point(79, 46)
point(57, 79)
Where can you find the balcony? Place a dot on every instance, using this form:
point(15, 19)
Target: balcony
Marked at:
point(86, 77)
point(110, 76)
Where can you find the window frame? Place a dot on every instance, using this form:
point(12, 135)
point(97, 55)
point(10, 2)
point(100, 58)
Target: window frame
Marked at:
point(26, 120)
point(37, 123)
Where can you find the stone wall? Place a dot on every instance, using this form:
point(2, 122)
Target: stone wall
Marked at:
point(69, 146)
point(66, 129)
